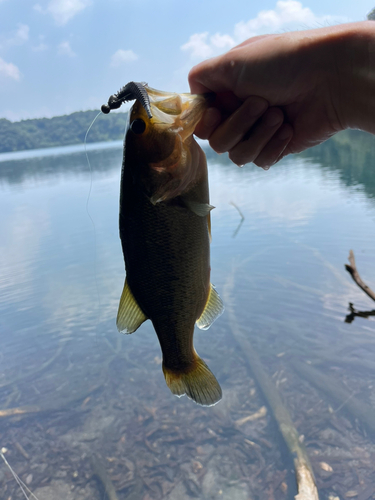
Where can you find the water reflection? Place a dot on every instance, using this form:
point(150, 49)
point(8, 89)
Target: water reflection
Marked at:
point(360, 314)
point(351, 154)
point(55, 162)
point(85, 391)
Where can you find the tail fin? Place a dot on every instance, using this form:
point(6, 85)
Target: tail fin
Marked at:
point(198, 383)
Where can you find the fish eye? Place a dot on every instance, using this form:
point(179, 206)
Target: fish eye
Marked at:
point(138, 126)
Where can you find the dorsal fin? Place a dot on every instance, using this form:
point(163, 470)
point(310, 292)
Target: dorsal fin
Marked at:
point(213, 309)
point(130, 316)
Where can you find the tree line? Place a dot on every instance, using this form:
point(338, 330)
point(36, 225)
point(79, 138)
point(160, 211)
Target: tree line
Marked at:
point(60, 130)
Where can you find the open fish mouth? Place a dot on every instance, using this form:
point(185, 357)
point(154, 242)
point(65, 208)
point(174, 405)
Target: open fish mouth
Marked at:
point(183, 110)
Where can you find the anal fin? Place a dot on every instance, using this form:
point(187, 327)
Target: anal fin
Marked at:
point(213, 309)
point(130, 316)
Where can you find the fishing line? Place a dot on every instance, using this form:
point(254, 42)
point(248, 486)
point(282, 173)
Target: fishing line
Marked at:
point(88, 213)
point(89, 164)
point(19, 481)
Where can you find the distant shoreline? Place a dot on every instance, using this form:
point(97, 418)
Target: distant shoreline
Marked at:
point(58, 150)
point(66, 130)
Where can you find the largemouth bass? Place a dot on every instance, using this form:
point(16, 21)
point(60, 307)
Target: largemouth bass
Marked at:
point(165, 236)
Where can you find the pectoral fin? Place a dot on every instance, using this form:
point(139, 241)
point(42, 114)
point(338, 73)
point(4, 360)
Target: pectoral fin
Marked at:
point(201, 209)
point(214, 308)
point(130, 316)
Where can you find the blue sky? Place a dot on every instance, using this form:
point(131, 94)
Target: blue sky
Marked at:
point(60, 56)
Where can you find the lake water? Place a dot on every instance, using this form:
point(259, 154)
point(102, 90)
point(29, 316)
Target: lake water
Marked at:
point(80, 403)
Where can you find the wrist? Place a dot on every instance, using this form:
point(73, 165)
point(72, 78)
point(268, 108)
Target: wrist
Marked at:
point(353, 83)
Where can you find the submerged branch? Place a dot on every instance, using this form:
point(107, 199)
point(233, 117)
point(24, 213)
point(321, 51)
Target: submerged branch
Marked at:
point(352, 270)
point(21, 410)
point(341, 396)
point(345, 361)
point(102, 475)
point(36, 370)
point(307, 489)
point(52, 406)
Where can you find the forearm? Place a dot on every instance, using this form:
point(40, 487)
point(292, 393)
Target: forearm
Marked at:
point(355, 97)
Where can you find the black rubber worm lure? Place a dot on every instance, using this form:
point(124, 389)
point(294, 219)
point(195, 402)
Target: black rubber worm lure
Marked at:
point(129, 92)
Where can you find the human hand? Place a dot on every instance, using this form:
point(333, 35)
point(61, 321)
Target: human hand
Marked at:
point(281, 94)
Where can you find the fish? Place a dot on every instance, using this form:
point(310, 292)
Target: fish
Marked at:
point(165, 228)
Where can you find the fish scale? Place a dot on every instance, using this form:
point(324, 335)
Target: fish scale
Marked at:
point(162, 271)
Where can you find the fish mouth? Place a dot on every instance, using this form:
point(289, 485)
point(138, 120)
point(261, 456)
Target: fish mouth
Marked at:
point(165, 105)
point(182, 110)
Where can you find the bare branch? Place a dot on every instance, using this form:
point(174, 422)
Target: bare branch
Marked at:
point(352, 269)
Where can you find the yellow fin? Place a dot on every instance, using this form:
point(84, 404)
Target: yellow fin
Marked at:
point(130, 316)
point(198, 383)
point(214, 308)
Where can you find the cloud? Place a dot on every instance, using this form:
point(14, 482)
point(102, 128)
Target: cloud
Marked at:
point(64, 49)
point(22, 233)
point(63, 10)
point(19, 37)
point(40, 48)
point(9, 70)
point(22, 34)
point(287, 15)
point(122, 57)
point(202, 46)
